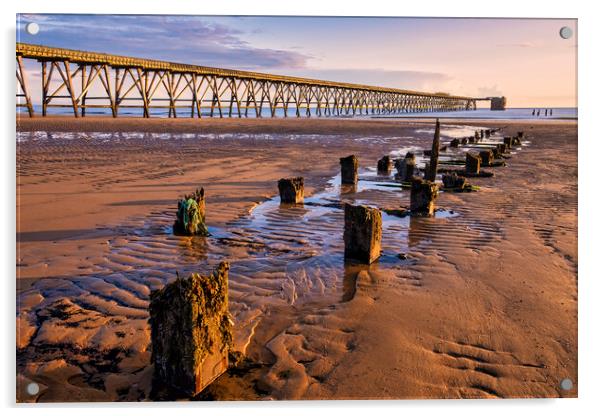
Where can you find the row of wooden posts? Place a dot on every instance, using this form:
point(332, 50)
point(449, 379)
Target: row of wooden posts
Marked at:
point(190, 324)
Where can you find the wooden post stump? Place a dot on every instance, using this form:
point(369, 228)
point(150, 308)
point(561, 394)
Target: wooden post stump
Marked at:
point(454, 143)
point(508, 142)
point(473, 163)
point(520, 134)
point(486, 157)
point(384, 164)
point(190, 217)
point(454, 181)
point(516, 141)
point(423, 196)
point(191, 331)
point(488, 133)
point(291, 190)
point(363, 233)
point(349, 169)
point(405, 167)
point(431, 173)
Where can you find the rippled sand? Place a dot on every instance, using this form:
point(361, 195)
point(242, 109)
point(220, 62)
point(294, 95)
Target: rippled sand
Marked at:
point(484, 304)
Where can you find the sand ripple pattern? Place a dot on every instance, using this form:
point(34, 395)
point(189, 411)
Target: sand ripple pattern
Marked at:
point(281, 257)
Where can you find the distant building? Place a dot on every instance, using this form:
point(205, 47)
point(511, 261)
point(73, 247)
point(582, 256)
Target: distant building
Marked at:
point(498, 103)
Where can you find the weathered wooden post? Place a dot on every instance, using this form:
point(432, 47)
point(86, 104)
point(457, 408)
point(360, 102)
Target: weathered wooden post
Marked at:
point(349, 168)
point(405, 167)
point(486, 157)
point(422, 197)
point(482, 135)
point(291, 190)
point(384, 164)
point(520, 134)
point(191, 331)
point(488, 133)
point(477, 138)
point(454, 143)
point(431, 173)
point(190, 217)
point(363, 233)
point(473, 163)
point(516, 141)
point(508, 142)
point(464, 140)
point(454, 181)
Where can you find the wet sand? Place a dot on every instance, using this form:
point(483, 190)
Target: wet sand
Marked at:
point(484, 305)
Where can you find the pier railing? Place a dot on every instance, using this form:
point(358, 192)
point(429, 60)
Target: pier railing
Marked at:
point(82, 80)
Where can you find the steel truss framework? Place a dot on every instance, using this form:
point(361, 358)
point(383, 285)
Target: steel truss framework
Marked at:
point(69, 77)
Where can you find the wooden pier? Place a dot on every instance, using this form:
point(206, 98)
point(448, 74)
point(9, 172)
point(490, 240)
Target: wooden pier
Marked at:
point(82, 80)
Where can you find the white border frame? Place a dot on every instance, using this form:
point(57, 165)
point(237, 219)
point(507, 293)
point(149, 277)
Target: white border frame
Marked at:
point(589, 229)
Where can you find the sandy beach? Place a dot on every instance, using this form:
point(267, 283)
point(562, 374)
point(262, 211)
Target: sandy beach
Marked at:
point(482, 302)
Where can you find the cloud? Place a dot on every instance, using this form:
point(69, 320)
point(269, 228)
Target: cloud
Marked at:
point(186, 39)
point(489, 91)
point(403, 79)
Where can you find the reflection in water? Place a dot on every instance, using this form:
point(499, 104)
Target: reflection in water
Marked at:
point(348, 188)
point(415, 231)
point(195, 248)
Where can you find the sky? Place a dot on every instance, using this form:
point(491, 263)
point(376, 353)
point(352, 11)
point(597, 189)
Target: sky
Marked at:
point(525, 60)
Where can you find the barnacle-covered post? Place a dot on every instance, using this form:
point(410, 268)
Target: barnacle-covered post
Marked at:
point(190, 218)
point(291, 190)
point(431, 173)
point(191, 330)
point(363, 233)
point(349, 168)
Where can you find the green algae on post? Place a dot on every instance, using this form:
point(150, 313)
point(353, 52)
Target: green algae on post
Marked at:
point(190, 217)
point(191, 330)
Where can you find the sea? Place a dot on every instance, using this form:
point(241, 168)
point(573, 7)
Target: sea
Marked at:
point(531, 113)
